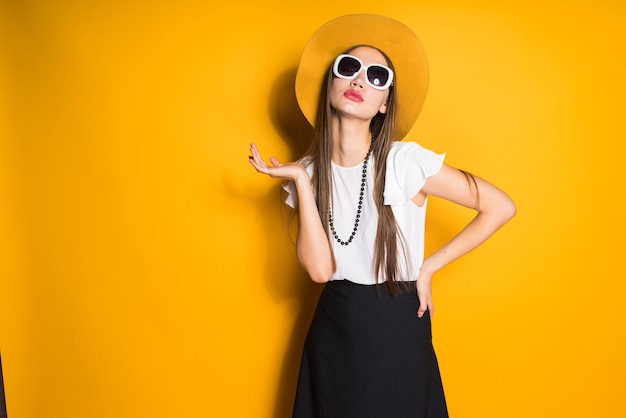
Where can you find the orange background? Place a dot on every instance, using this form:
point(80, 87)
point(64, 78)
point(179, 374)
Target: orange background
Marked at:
point(146, 268)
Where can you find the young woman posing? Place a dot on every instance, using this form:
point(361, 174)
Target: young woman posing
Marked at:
point(361, 194)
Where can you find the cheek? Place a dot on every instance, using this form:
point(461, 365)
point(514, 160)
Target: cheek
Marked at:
point(337, 88)
point(379, 100)
point(383, 106)
point(338, 85)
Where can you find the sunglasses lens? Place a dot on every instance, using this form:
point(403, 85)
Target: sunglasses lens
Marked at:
point(348, 66)
point(377, 76)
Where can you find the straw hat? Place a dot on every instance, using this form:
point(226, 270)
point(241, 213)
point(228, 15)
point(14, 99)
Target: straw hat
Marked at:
point(395, 39)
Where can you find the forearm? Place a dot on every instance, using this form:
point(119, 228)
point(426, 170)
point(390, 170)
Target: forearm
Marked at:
point(495, 208)
point(312, 245)
point(483, 226)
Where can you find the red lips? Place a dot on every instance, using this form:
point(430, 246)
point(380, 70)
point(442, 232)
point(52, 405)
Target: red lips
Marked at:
point(353, 95)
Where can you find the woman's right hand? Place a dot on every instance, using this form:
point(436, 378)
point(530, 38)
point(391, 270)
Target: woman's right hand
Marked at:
point(290, 171)
point(312, 245)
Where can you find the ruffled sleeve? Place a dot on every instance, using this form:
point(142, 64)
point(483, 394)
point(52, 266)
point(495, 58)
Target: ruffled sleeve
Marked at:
point(408, 167)
point(292, 193)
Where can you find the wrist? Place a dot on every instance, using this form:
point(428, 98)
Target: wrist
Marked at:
point(302, 177)
point(427, 268)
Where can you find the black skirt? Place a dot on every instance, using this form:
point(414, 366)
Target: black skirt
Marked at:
point(367, 354)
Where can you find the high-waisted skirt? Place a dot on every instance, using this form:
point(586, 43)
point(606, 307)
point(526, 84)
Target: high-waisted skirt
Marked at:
point(368, 355)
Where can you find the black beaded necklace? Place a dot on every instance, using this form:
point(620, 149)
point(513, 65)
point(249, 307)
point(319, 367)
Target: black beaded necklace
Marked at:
point(359, 208)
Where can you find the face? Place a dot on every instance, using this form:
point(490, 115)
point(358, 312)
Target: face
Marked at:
point(356, 98)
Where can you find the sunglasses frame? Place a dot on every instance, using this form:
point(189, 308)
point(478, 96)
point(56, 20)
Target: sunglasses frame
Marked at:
point(363, 67)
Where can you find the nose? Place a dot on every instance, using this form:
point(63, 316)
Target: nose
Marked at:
point(359, 79)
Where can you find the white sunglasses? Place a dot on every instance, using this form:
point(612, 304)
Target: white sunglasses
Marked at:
point(377, 76)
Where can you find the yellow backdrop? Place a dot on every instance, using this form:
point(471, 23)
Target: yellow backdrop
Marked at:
point(147, 271)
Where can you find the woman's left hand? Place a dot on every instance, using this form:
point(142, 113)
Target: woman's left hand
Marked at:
point(425, 294)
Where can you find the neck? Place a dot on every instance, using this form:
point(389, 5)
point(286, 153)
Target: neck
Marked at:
point(350, 143)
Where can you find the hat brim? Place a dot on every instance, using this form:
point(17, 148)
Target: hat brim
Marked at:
point(395, 39)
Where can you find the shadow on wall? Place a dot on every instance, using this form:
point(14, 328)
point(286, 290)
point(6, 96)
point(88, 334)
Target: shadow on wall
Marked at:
point(285, 279)
point(285, 114)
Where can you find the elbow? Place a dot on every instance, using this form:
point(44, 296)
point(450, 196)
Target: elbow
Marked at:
point(500, 212)
point(320, 275)
point(319, 265)
point(320, 279)
point(510, 210)
point(507, 210)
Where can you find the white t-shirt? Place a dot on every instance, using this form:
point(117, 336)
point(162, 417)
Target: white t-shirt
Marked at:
point(408, 167)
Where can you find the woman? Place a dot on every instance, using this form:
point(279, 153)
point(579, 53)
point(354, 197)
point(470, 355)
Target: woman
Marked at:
point(361, 197)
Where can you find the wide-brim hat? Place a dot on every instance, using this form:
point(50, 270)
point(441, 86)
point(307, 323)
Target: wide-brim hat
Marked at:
point(392, 37)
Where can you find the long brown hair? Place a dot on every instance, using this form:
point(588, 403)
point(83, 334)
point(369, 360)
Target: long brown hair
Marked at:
point(389, 240)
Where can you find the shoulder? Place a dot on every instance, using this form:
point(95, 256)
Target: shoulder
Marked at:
point(402, 147)
point(410, 153)
point(408, 166)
